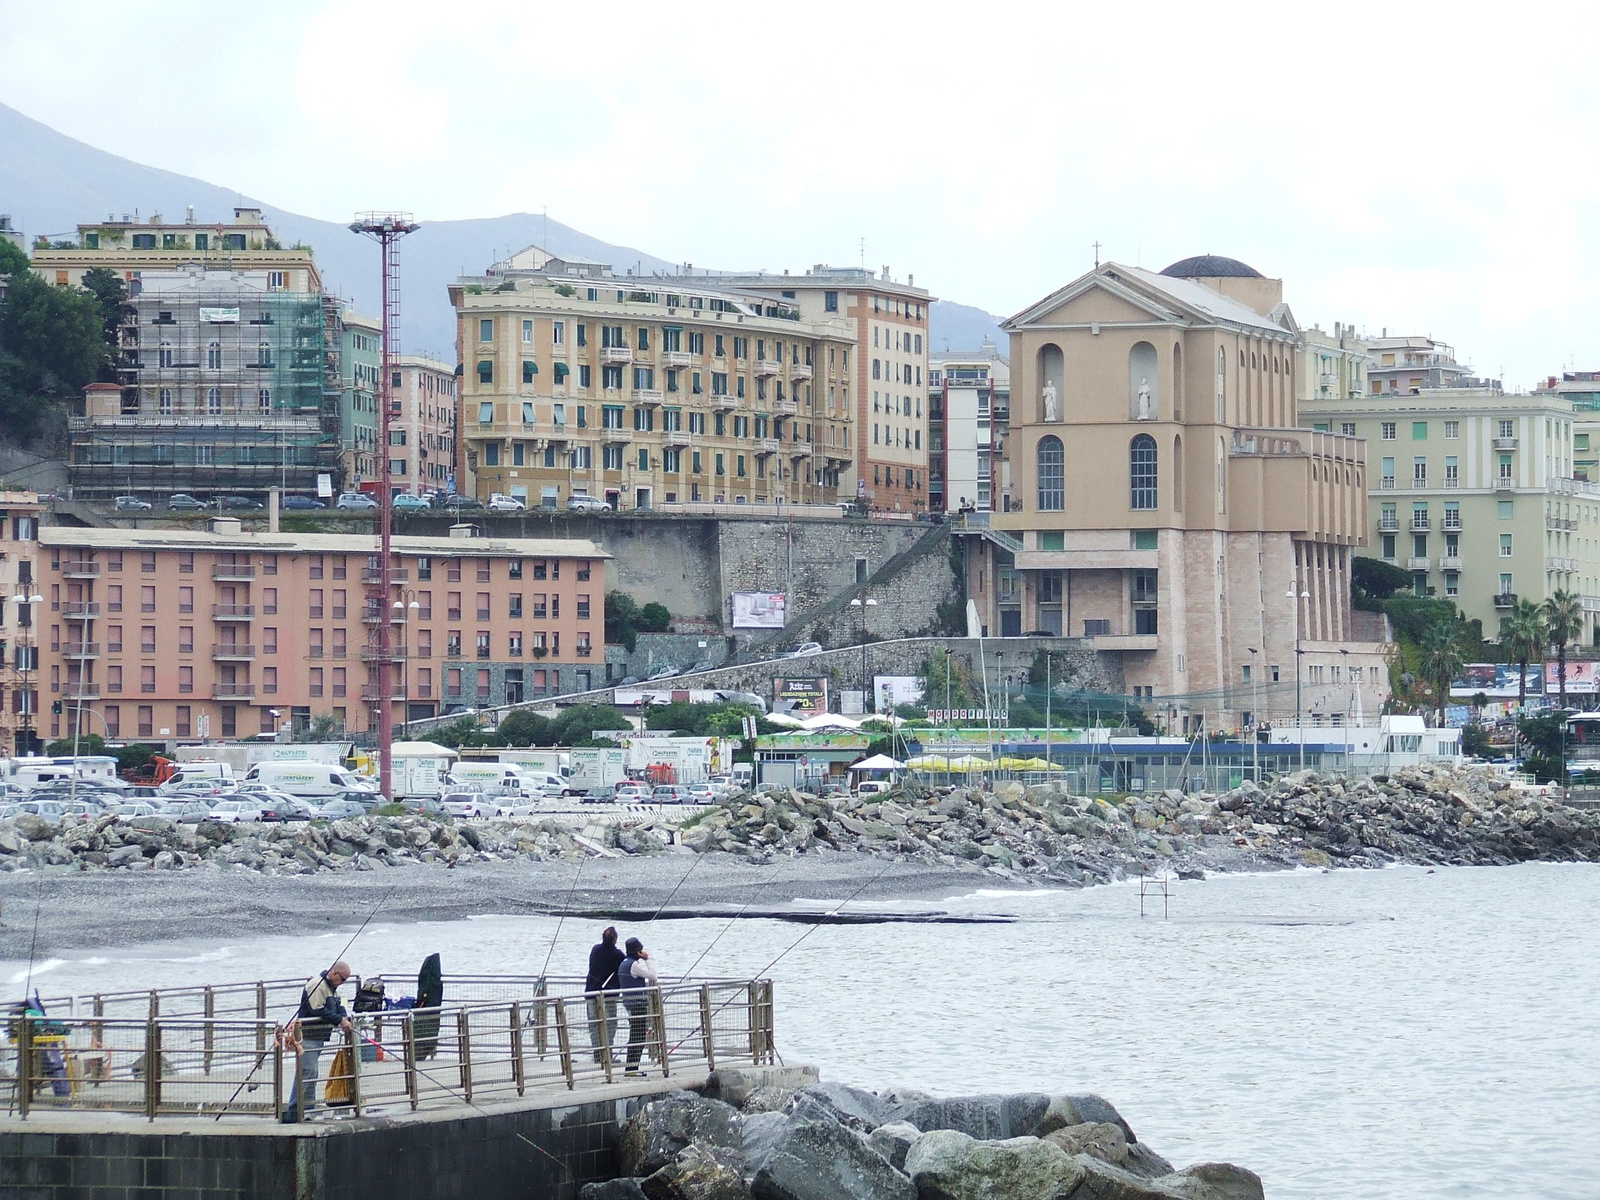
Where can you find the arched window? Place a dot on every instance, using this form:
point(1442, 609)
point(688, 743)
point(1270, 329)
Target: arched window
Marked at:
point(1177, 382)
point(1052, 475)
point(1141, 472)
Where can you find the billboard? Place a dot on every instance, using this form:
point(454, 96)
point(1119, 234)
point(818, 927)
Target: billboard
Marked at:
point(1499, 680)
point(803, 697)
point(759, 610)
point(890, 690)
point(1581, 677)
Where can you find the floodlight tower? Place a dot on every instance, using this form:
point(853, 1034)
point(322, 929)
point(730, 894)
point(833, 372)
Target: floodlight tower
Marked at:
point(385, 228)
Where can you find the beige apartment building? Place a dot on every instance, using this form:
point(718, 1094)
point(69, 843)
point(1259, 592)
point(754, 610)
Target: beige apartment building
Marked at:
point(422, 425)
point(1333, 366)
point(1474, 492)
point(1399, 366)
point(1165, 507)
point(889, 323)
point(179, 634)
point(131, 247)
point(649, 392)
point(19, 621)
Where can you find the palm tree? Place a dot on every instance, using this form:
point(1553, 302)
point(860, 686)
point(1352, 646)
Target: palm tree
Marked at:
point(1441, 660)
point(1523, 636)
point(1563, 620)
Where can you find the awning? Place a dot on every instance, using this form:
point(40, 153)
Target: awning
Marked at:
point(878, 762)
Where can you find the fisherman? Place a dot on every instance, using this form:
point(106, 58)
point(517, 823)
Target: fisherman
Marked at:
point(600, 987)
point(321, 1012)
point(636, 974)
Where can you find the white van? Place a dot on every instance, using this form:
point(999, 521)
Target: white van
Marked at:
point(495, 779)
point(307, 779)
point(201, 770)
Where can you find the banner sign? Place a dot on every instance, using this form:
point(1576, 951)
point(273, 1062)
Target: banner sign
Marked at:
point(803, 697)
point(219, 316)
point(999, 716)
point(890, 690)
point(759, 610)
point(1581, 676)
point(1499, 680)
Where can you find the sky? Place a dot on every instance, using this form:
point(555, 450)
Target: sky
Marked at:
point(1426, 169)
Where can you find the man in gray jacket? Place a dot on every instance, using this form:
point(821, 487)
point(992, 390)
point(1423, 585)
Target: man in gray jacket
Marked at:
point(320, 1013)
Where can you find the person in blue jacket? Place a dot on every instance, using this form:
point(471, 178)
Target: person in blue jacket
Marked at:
point(600, 988)
point(321, 1012)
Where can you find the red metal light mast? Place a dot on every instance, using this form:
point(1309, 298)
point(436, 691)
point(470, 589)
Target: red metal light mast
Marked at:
point(385, 228)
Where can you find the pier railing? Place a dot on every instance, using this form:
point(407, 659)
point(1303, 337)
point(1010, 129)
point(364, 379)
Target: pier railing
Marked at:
point(468, 1052)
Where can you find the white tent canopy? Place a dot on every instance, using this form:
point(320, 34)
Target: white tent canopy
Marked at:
point(878, 762)
point(421, 750)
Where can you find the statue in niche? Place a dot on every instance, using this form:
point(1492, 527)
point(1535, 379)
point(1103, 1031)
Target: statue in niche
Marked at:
point(1052, 407)
point(1143, 411)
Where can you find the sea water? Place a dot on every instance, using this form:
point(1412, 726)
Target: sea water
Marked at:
point(1397, 1033)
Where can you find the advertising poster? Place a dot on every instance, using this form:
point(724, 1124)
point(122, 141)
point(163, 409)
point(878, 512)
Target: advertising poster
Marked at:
point(1580, 677)
point(759, 610)
point(806, 697)
point(890, 690)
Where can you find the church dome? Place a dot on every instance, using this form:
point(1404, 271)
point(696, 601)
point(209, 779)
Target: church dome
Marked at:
point(1211, 266)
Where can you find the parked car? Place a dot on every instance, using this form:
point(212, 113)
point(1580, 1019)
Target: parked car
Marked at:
point(467, 804)
point(514, 806)
point(185, 811)
point(459, 504)
point(632, 793)
point(701, 793)
point(355, 502)
point(183, 502)
point(132, 504)
point(407, 503)
point(339, 810)
point(805, 650)
point(425, 805)
point(306, 503)
point(499, 502)
point(599, 795)
point(578, 502)
point(235, 811)
point(664, 671)
point(669, 793)
point(705, 664)
point(240, 503)
point(132, 809)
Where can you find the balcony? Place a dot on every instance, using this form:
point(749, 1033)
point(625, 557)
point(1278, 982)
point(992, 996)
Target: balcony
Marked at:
point(616, 354)
point(81, 691)
point(612, 436)
point(81, 612)
point(1418, 564)
point(675, 358)
point(376, 654)
point(800, 371)
point(232, 651)
point(233, 691)
point(785, 408)
point(1452, 520)
point(1560, 564)
point(80, 569)
point(1450, 562)
point(372, 693)
point(233, 612)
point(1386, 483)
point(1126, 641)
point(1505, 483)
point(768, 367)
point(725, 402)
point(766, 446)
point(676, 437)
point(1506, 600)
point(1420, 523)
point(1389, 523)
point(1563, 523)
point(647, 397)
point(374, 575)
point(1505, 443)
point(80, 650)
point(239, 571)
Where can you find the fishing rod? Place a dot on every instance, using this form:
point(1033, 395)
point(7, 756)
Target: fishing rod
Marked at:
point(262, 1057)
point(566, 905)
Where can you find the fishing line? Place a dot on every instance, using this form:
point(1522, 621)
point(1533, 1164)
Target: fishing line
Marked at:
point(262, 1058)
point(566, 905)
point(674, 891)
point(760, 890)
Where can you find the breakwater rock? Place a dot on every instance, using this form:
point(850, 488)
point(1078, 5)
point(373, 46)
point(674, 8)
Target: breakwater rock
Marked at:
point(295, 848)
point(827, 1141)
point(1425, 814)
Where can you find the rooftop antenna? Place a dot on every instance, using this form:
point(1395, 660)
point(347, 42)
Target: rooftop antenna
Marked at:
point(863, 249)
point(386, 228)
point(1097, 254)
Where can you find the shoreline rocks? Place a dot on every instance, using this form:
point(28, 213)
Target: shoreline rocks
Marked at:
point(829, 1141)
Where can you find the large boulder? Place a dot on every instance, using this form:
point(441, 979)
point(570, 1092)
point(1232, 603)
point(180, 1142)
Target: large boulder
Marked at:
point(660, 1131)
point(1102, 1181)
point(1101, 1140)
point(947, 1165)
point(1083, 1109)
point(612, 1189)
point(34, 827)
point(819, 1160)
point(986, 1118)
point(893, 1141)
point(1214, 1181)
point(699, 1173)
point(850, 1106)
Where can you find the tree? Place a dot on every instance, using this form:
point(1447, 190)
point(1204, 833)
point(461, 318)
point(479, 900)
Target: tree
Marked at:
point(1374, 579)
point(111, 294)
point(13, 258)
point(622, 619)
point(88, 744)
point(1563, 622)
point(325, 728)
point(1441, 661)
point(654, 618)
point(51, 345)
point(524, 728)
point(1524, 637)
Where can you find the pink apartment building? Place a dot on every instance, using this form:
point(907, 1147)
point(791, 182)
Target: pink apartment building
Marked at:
point(177, 634)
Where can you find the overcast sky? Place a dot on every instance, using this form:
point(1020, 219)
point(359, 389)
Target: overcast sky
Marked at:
point(1429, 169)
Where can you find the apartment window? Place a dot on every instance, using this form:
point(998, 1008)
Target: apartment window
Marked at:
point(1505, 468)
point(1419, 472)
point(114, 639)
point(147, 562)
point(515, 605)
point(315, 566)
point(269, 640)
point(147, 720)
point(1507, 428)
point(1505, 545)
point(315, 606)
point(483, 606)
point(316, 681)
point(1419, 431)
point(424, 568)
point(185, 639)
point(514, 645)
point(147, 679)
point(1452, 471)
point(583, 608)
point(114, 680)
point(185, 600)
point(1452, 430)
point(185, 680)
point(184, 721)
point(483, 644)
point(1347, 428)
point(486, 330)
point(1386, 431)
point(269, 599)
point(147, 639)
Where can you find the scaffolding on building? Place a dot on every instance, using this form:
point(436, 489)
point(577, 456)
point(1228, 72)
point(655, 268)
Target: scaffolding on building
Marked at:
point(228, 384)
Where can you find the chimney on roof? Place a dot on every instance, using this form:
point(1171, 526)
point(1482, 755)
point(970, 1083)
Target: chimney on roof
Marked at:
point(188, 216)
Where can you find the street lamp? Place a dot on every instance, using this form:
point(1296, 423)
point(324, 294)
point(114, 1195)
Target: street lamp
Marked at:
point(25, 605)
point(403, 610)
point(1299, 721)
point(1255, 719)
point(864, 603)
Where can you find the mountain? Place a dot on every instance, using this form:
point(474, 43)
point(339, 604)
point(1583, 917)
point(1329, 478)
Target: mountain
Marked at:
point(49, 183)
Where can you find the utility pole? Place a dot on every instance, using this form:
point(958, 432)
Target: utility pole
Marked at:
point(386, 229)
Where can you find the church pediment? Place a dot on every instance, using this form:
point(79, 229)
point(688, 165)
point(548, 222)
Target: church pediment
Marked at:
point(1093, 299)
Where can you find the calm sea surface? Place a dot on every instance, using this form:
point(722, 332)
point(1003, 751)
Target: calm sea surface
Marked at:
point(1403, 1033)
